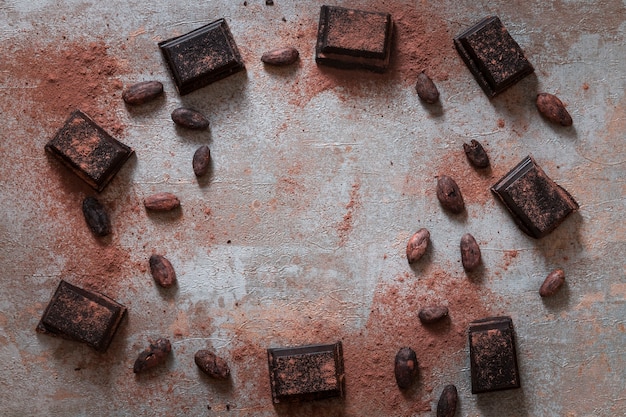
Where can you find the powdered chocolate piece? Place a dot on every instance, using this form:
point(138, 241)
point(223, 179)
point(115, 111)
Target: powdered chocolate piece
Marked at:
point(306, 372)
point(348, 38)
point(537, 203)
point(89, 151)
point(78, 314)
point(492, 55)
point(493, 359)
point(202, 56)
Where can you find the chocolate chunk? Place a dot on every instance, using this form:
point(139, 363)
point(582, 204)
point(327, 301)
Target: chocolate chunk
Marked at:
point(85, 316)
point(96, 217)
point(476, 154)
point(538, 205)
point(405, 367)
point(492, 55)
point(154, 355)
point(89, 151)
point(348, 38)
point(306, 373)
point(493, 359)
point(202, 56)
point(212, 365)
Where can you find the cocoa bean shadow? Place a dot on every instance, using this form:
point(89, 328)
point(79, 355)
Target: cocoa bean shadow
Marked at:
point(168, 294)
point(568, 231)
point(455, 217)
point(476, 274)
point(503, 403)
point(222, 386)
point(164, 217)
point(439, 327)
point(160, 371)
point(518, 101)
point(416, 389)
point(419, 268)
point(559, 301)
point(328, 407)
point(434, 109)
point(202, 137)
point(567, 131)
point(146, 108)
point(207, 178)
point(278, 72)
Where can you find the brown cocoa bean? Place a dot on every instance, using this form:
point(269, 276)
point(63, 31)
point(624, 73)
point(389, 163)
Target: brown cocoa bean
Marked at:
point(446, 407)
point(470, 252)
point(162, 271)
point(553, 283)
point(432, 314)
point(201, 161)
point(426, 89)
point(96, 217)
point(553, 109)
point(161, 202)
point(406, 367)
point(154, 355)
point(449, 194)
point(476, 154)
point(142, 92)
point(190, 119)
point(281, 56)
point(211, 364)
point(418, 243)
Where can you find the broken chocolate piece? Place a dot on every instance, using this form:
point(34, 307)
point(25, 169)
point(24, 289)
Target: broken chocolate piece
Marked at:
point(89, 151)
point(492, 55)
point(493, 359)
point(348, 38)
point(537, 203)
point(202, 56)
point(476, 154)
point(85, 316)
point(306, 372)
point(154, 355)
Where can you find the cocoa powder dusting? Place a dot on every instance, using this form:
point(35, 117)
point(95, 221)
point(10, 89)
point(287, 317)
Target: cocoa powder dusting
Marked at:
point(345, 227)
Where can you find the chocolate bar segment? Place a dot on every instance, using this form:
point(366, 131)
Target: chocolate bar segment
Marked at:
point(202, 56)
point(306, 373)
point(493, 359)
point(349, 38)
point(78, 314)
point(492, 55)
point(89, 151)
point(537, 203)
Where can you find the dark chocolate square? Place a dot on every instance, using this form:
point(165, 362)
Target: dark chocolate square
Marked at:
point(77, 314)
point(537, 203)
point(88, 150)
point(348, 38)
point(493, 359)
point(306, 373)
point(492, 55)
point(202, 56)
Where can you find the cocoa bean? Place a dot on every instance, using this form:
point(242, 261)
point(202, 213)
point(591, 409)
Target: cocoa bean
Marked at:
point(201, 161)
point(281, 56)
point(432, 314)
point(211, 364)
point(446, 407)
point(162, 271)
point(426, 89)
point(470, 252)
point(142, 92)
point(418, 243)
point(161, 202)
point(553, 109)
point(406, 367)
point(553, 283)
point(476, 154)
point(190, 119)
point(449, 194)
point(96, 217)
point(154, 355)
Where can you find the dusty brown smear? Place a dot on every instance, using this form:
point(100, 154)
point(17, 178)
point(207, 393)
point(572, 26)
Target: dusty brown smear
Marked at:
point(345, 226)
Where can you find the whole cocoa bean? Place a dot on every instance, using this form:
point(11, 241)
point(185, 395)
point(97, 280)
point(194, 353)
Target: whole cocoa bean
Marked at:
point(96, 217)
point(406, 367)
point(281, 56)
point(553, 109)
point(161, 202)
point(190, 119)
point(162, 271)
point(154, 355)
point(449, 194)
point(476, 154)
point(211, 365)
point(418, 243)
point(553, 283)
point(426, 89)
point(446, 407)
point(142, 92)
point(470, 252)
point(432, 314)
point(201, 161)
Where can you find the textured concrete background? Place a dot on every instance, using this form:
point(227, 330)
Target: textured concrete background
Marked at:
point(301, 229)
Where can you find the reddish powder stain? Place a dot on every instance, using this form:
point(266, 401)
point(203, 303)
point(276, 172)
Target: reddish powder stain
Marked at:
point(509, 256)
point(501, 123)
point(585, 86)
point(345, 227)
